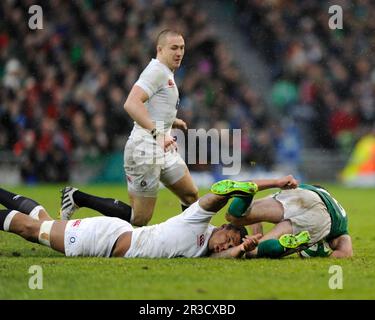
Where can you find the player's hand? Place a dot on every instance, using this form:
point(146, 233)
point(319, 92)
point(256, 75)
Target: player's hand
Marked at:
point(166, 142)
point(179, 124)
point(288, 182)
point(250, 242)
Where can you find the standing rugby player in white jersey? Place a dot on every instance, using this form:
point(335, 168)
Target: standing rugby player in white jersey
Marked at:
point(150, 153)
point(152, 103)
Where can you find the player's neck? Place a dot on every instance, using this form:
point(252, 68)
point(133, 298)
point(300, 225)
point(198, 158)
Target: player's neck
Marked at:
point(163, 62)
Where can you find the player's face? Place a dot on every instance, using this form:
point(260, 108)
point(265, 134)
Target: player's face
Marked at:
point(172, 51)
point(224, 239)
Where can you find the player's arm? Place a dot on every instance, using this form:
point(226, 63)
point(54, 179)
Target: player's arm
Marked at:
point(179, 124)
point(287, 182)
point(342, 247)
point(249, 243)
point(135, 107)
point(235, 252)
point(256, 228)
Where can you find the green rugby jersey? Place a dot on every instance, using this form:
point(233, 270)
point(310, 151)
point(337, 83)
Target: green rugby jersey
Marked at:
point(339, 224)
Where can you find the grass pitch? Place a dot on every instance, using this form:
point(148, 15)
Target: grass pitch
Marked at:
point(203, 278)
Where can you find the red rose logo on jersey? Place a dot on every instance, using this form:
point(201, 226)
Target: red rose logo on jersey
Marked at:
point(76, 223)
point(170, 83)
point(200, 240)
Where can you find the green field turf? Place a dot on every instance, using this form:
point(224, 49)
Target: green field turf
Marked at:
point(203, 278)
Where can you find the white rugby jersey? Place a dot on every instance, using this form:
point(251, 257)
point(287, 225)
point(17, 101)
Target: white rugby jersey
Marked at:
point(157, 80)
point(185, 235)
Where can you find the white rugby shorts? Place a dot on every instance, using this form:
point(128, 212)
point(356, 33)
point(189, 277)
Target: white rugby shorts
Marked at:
point(93, 237)
point(306, 211)
point(146, 165)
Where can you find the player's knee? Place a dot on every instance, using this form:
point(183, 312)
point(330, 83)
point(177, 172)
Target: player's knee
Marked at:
point(141, 220)
point(191, 197)
point(348, 253)
point(44, 216)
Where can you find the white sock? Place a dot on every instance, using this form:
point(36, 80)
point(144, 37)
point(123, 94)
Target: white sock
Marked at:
point(34, 214)
point(9, 219)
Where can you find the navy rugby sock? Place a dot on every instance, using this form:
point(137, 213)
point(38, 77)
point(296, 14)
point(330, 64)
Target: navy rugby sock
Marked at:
point(106, 206)
point(17, 202)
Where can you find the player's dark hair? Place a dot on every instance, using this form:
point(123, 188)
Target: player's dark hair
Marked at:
point(242, 230)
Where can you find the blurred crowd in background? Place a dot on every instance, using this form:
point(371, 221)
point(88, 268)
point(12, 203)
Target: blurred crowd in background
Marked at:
point(62, 88)
point(323, 78)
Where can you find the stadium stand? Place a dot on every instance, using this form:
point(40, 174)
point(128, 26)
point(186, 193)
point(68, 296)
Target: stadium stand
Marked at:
point(324, 78)
point(62, 88)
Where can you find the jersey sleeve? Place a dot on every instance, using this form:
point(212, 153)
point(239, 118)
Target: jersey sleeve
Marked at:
point(195, 214)
point(151, 80)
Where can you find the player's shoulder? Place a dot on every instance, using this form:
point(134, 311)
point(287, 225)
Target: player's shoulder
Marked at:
point(156, 66)
point(154, 70)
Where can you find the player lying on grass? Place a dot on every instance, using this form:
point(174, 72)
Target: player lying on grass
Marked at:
point(307, 216)
point(188, 234)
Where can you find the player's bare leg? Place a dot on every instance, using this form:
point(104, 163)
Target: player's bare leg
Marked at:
point(262, 210)
point(212, 202)
point(43, 215)
point(50, 233)
point(185, 189)
point(256, 228)
point(284, 227)
point(143, 208)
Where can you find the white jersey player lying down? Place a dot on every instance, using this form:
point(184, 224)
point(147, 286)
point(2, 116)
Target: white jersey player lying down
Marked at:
point(188, 234)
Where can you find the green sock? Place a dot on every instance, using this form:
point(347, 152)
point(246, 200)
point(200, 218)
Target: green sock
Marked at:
point(270, 249)
point(239, 206)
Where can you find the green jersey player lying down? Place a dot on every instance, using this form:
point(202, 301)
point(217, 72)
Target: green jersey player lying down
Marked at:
point(188, 234)
point(307, 220)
